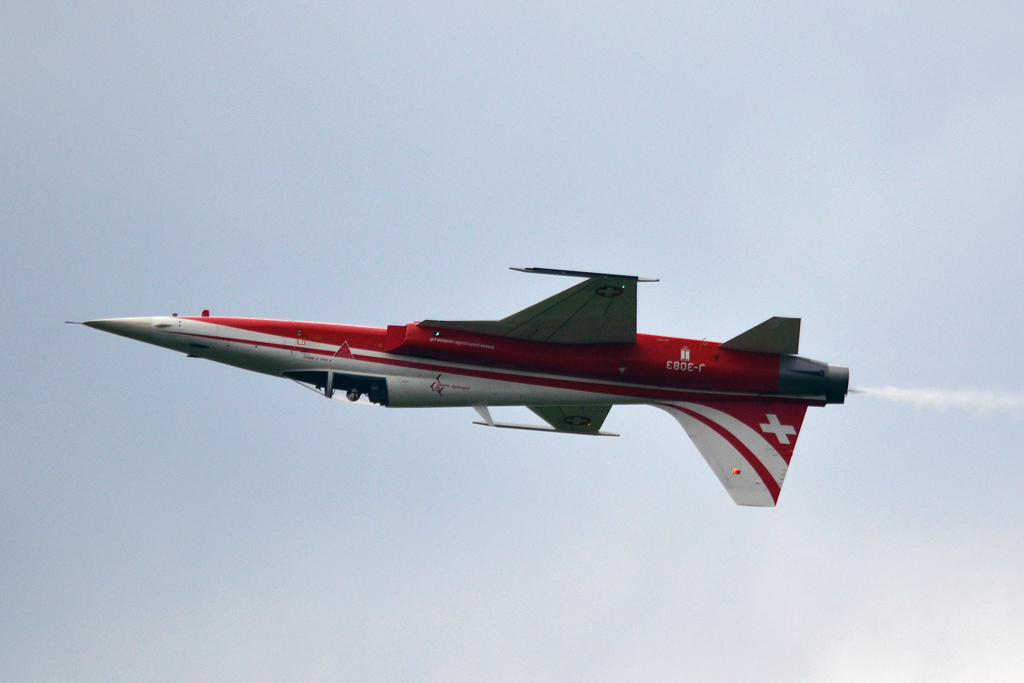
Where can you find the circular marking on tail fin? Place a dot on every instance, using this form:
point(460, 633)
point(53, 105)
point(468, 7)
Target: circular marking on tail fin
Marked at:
point(610, 291)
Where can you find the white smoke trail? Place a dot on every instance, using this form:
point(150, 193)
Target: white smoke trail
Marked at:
point(980, 401)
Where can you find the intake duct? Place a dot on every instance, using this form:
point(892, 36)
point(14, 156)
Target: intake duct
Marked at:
point(800, 376)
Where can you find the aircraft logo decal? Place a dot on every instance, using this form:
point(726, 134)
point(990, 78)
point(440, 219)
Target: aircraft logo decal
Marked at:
point(439, 386)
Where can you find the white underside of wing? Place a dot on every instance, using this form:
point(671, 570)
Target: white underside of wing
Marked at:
point(740, 480)
point(754, 442)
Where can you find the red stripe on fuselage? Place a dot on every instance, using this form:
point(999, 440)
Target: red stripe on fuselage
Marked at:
point(640, 392)
point(654, 361)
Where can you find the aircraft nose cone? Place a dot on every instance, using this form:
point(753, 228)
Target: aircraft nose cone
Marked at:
point(133, 328)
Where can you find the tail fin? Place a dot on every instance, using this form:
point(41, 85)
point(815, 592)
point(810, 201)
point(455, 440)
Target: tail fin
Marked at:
point(748, 444)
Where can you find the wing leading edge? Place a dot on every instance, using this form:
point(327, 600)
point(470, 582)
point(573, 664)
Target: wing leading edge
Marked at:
point(748, 444)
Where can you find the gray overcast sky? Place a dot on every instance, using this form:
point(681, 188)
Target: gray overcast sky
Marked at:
point(860, 165)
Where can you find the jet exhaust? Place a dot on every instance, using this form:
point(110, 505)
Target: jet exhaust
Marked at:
point(805, 377)
point(982, 402)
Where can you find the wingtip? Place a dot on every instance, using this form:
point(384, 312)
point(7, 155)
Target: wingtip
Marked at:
point(580, 273)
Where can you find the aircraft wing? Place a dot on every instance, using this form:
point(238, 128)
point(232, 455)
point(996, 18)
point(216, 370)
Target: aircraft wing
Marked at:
point(748, 444)
point(573, 419)
point(600, 310)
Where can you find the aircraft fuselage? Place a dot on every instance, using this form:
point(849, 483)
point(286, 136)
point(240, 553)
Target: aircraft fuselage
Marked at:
point(568, 359)
point(414, 366)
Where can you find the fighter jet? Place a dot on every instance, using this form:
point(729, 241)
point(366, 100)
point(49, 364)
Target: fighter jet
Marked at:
point(569, 359)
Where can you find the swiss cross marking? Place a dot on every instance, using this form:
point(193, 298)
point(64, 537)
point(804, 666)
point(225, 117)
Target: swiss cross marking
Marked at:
point(778, 429)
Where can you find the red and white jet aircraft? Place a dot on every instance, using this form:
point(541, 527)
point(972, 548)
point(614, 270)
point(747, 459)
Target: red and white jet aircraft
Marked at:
point(569, 359)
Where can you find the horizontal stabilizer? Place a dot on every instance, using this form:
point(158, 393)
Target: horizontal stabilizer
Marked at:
point(775, 335)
